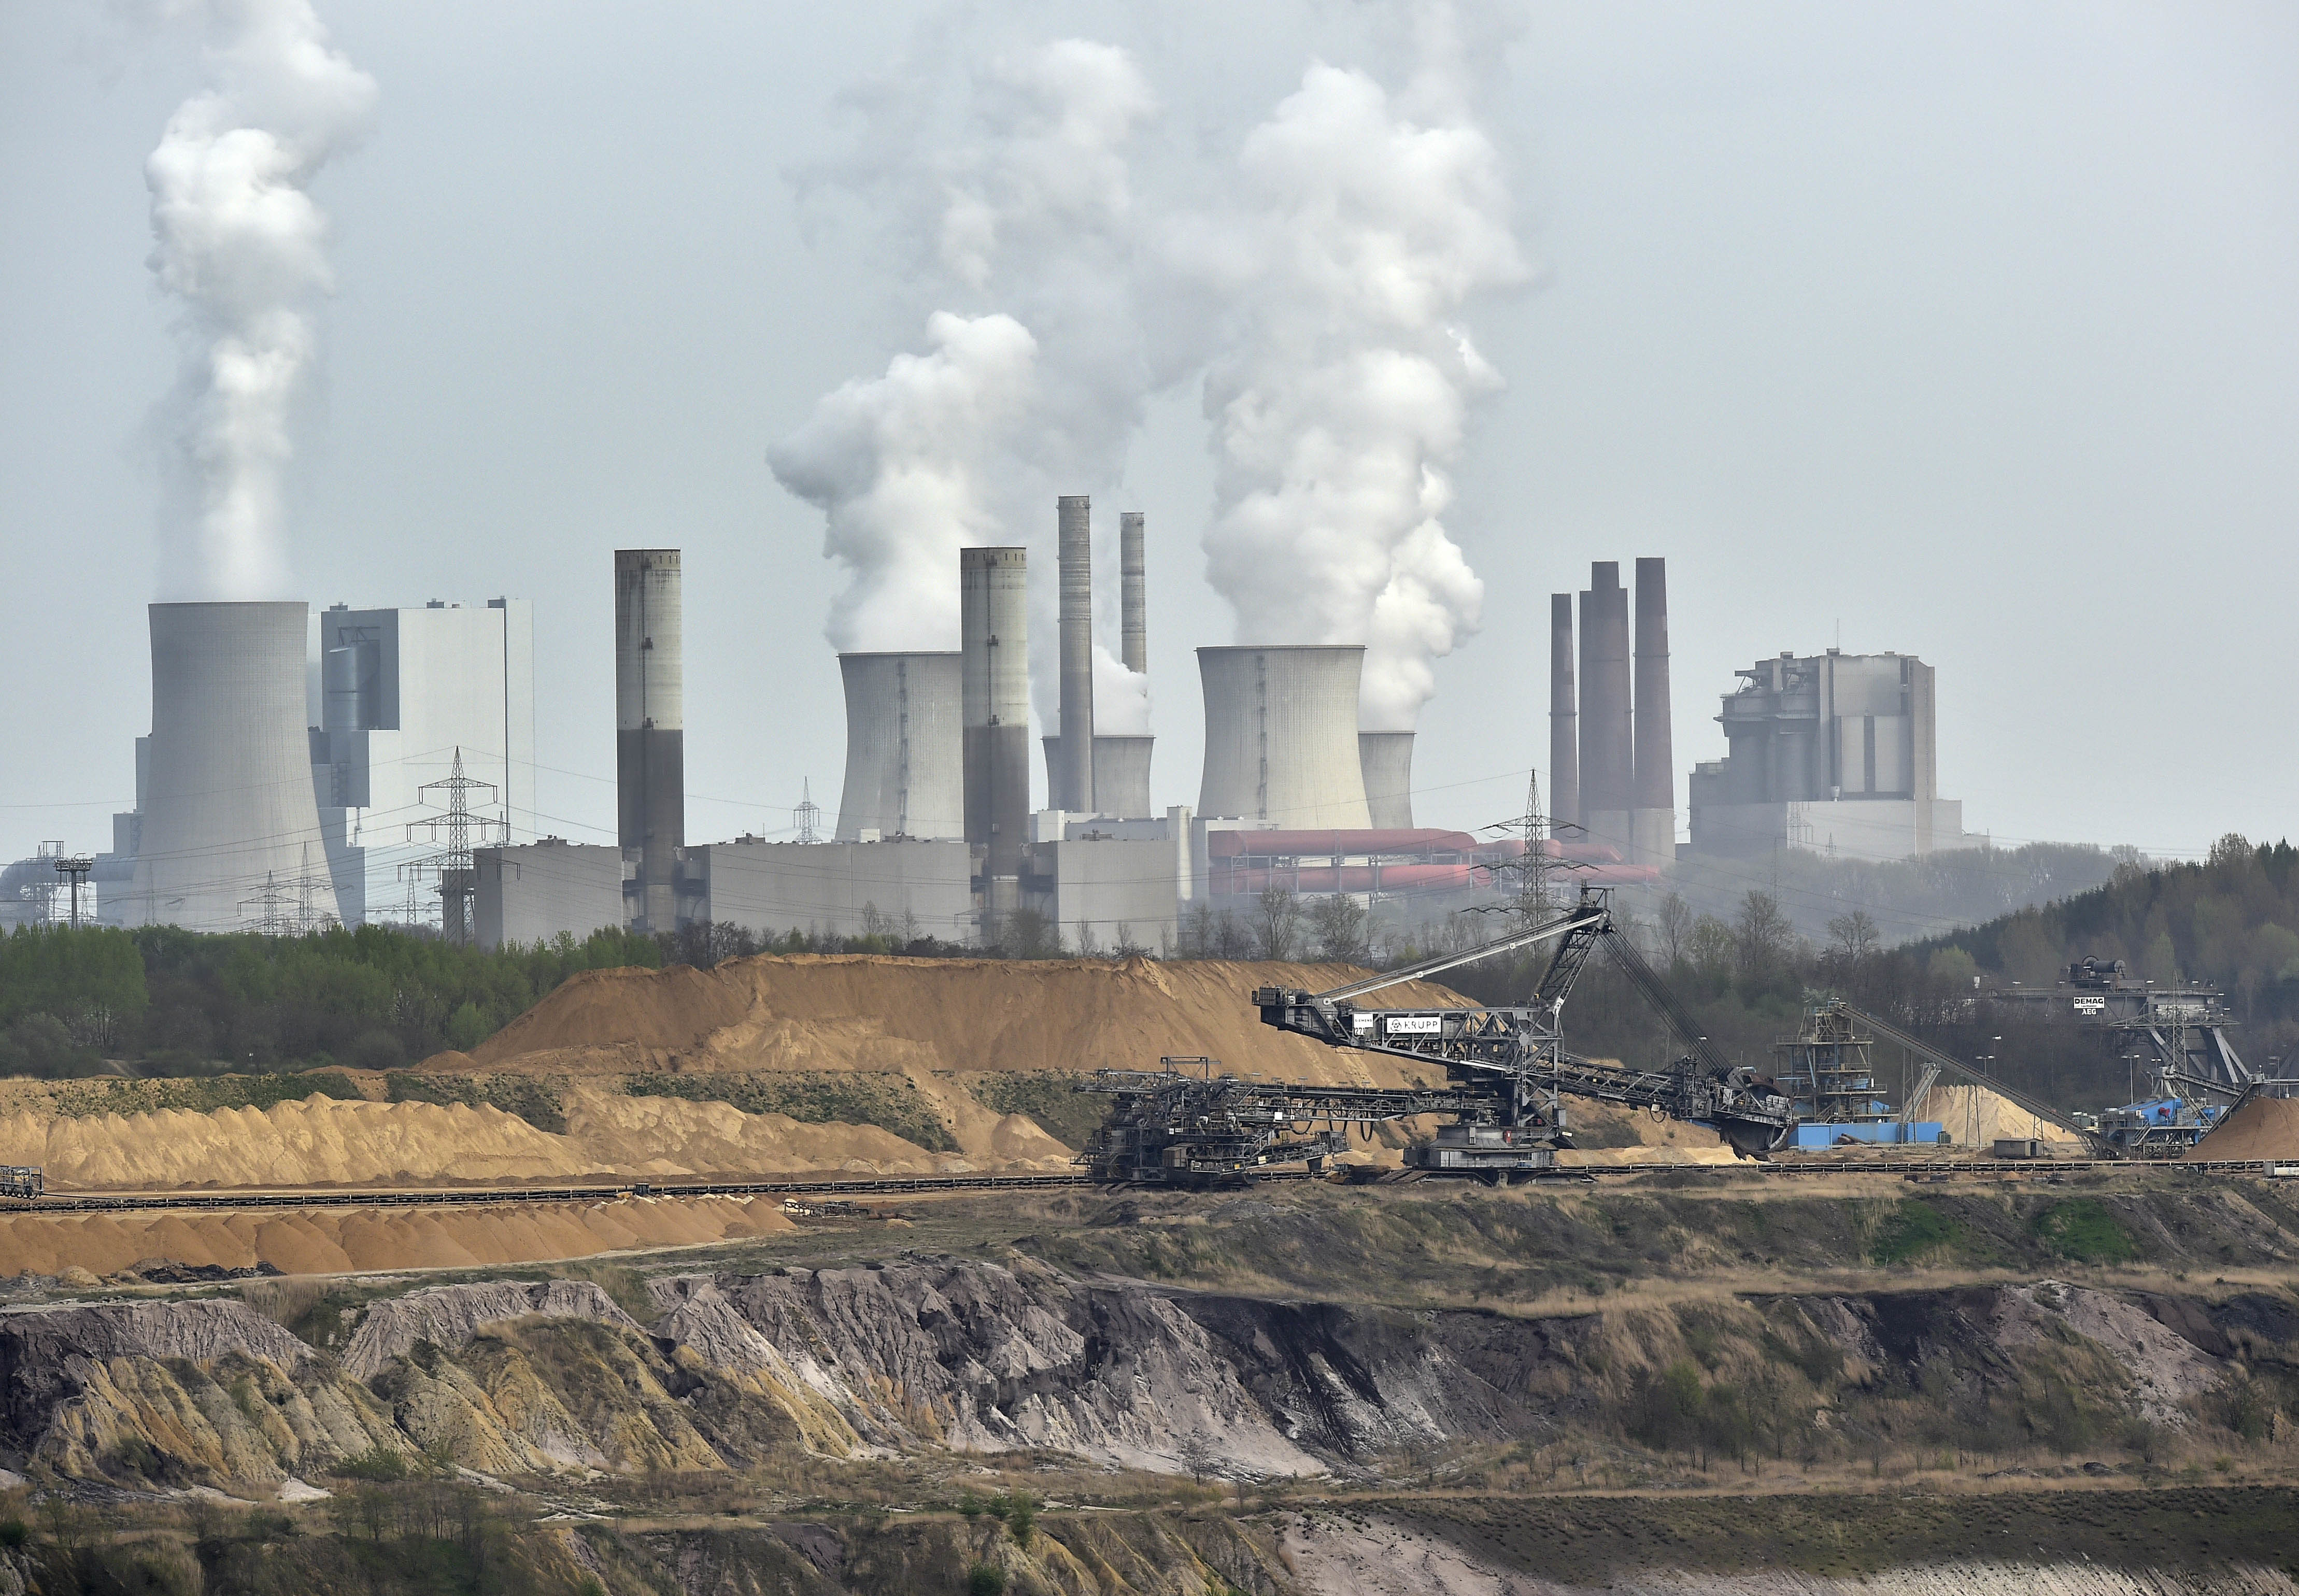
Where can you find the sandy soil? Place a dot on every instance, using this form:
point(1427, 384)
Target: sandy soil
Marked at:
point(857, 1011)
point(1337, 1556)
point(324, 1141)
point(1973, 1117)
point(2262, 1128)
point(329, 1241)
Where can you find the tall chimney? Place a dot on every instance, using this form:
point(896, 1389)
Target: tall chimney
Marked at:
point(650, 734)
point(1073, 786)
point(1653, 827)
point(1132, 594)
point(1607, 749)
point(1563, 716)
point(994, 650)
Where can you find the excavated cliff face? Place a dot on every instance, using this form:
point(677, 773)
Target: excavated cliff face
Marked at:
point(174, 1393)
point(451, 1316)
point(976, 1357)
point(543, 1378)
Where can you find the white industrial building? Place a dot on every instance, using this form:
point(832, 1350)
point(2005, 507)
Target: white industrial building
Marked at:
point(401, 693)
point(534, 892)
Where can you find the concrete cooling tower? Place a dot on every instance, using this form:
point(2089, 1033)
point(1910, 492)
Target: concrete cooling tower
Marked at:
point(1121, 773)
point(905, 747)
point(1386, 758)
point(1282, 735)
point(228, 811)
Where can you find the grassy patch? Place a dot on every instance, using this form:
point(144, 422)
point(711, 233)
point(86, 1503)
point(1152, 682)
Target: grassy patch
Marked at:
point(531, 1097)
point(1912, 1228)
point(2085, 1229)
point(201, 1095)
point(1051, 1098)
point(889, 1102)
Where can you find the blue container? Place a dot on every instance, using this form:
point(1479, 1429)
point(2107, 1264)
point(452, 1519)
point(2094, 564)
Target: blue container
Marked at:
point(1813, 1135)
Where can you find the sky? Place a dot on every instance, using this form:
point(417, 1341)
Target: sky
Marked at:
point(1964, 331)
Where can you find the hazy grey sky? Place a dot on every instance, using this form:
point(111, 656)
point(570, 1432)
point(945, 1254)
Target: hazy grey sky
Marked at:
point(1974, 329)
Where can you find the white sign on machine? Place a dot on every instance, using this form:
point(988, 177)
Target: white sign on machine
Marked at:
point(1414, 1025)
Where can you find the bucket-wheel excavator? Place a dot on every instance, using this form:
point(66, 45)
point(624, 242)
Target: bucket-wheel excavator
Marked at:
point(1506, 1067)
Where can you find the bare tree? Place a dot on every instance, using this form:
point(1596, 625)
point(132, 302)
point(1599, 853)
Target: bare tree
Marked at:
point(1853, 937)
point(1279, 920)
point(1197, 1454)
point(1338, 922)
point(1230, 939)
point(1762, 935)
point(1675, 923)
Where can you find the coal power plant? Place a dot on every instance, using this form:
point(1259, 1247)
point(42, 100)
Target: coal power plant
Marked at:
point(294, 760)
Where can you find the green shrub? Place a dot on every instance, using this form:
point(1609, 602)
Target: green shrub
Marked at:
point(985, 1579)
point(13, 1533)
point(2087, 1231)
point(378, 1463)
point(1911, 1229)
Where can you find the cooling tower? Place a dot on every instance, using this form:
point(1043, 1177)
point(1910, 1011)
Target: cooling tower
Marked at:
point(1282, 735)
point(1386, 759)
point(1121, 773)
point(228, 811)
point(1132, 594)
point(1652, 825)
point(1564, 718)
point(1607, 749)
point(1073, 783)
point(649, 733)
point(905, 747)
point(994, 662)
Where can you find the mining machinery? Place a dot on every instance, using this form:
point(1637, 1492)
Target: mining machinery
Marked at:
point(1508, 1074)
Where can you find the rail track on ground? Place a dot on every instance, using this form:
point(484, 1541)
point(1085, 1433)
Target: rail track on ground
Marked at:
point(1931, 1168)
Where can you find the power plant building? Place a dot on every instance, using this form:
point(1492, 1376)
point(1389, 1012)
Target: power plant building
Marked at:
point(1833, 752)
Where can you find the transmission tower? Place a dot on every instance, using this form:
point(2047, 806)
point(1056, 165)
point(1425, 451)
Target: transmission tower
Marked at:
point(277, 906)
point(1537, 868)
point(75, 868)
point(452, 867)
point(43, 887)
point(808, 814)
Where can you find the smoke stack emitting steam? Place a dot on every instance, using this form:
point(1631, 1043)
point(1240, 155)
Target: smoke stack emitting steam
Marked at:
point(240, 243)
point(1317, 283)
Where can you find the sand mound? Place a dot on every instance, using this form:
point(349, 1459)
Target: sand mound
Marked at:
point(2262, 1128)
point(671, 1135)
point(319, 1141)
point(928, 1016)
point(1973, 1117)
point(322, 1141)
point(331, 1240)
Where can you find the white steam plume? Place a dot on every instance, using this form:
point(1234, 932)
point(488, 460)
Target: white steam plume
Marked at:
point(240, 243)
point(1006, 194)
point(1343, 403)
point(903, 466)
point(1317, 281)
